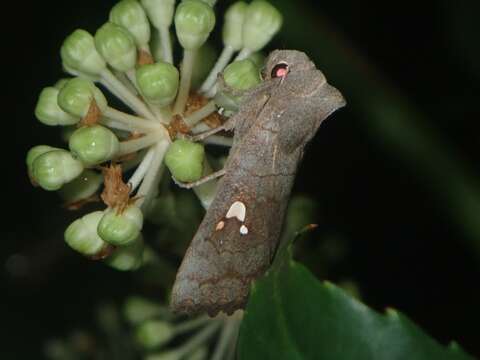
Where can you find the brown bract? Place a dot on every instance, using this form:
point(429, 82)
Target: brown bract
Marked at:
point(116, 194)
point(144, 58)
point(104, 253)
point(93, 115)
point(196, 102)
point(177, 125)
point(77, 205)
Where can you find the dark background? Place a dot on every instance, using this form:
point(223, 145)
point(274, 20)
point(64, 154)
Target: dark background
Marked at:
point(412, 238)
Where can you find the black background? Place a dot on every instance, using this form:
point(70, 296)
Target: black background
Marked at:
point(404, 250)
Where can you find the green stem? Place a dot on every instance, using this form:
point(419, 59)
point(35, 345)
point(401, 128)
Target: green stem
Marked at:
point(198, 339)
point(152, 177)
point(197, 116)
point(120, 90)
point(130, 146)
point(185, 80)
point(227, 334)
point(142, 169)
point(166, 44)
point(131, 122)
point(206, 192)
point(243, 54)
point(222, 62)
point(189, 325)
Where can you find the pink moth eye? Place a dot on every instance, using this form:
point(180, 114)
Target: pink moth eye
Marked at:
point(280, 70)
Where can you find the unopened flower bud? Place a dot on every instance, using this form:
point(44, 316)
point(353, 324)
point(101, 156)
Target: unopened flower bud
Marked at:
point(153, 334)
point(83, 187)
point(49, 113)
point(165, 355)
point(194, 20)
point(242, 75)
point(185, 159)
point(262, 22)
point(82, 235)
point(34, 153)
point(138, 309)
point(239, 75)
point(158, 82)
point(60, 83)
point(127, 258)
point(79, 53)
point(130, 15)
point(76, 97)
point(53, 169)
point(200, 353)
point(258, 59)
point(120, 229)
point(210, 2)
point(160, 12)
point(117, 46)
point(233, 26)
point(93, 145)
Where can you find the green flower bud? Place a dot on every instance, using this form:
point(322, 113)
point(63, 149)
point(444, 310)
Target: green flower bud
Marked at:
point(194, 20)
point(184, 159)
point(210, 2)
point(49, 113)
point(82, 187)
point(130, 15)
point(239, 75)
point(204, 62)
point(233, 26)
point(138, 309)
point(117, 46)
point(166, 355)
point(262, 22)
point(158, 83)
point(78, 53)
point(93, 145)
point(229, 104)
point(153, 334)
point(60, 84)
point(76, 97)
point(160, 12)
point(34, 153)
point(81, 235)
point(81, 74)
point(55, 168)
point(127, 258)
point(121, 229)
point(242, 75)
point(258, 59)
point(156, 44)
point(200, 353)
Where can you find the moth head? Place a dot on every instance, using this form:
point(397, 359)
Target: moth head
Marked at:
point(280, 63)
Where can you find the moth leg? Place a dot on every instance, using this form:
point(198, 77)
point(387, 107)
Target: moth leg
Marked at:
point(219, 140)
point(227, 126)
point(201, 181)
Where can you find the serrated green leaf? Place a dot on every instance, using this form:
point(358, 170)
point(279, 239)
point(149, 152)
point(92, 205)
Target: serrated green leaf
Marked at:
point(291, 315)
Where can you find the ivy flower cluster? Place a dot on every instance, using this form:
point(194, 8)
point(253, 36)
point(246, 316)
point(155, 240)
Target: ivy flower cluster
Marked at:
point(131, 57)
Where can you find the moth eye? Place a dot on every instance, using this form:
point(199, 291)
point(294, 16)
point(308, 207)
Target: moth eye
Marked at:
point(280, 70)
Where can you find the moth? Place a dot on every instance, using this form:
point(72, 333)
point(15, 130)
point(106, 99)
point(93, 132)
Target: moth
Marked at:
point(238, 237)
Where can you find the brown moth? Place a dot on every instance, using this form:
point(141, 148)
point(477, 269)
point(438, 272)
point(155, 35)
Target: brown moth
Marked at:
point(239, 234)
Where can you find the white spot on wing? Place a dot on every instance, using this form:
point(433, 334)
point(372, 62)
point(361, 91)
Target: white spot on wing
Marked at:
point(220, 225)
point(237, 210)
point(243, 230)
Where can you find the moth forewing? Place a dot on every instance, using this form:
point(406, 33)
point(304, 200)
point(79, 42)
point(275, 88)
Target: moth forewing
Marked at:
point(238, 236)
